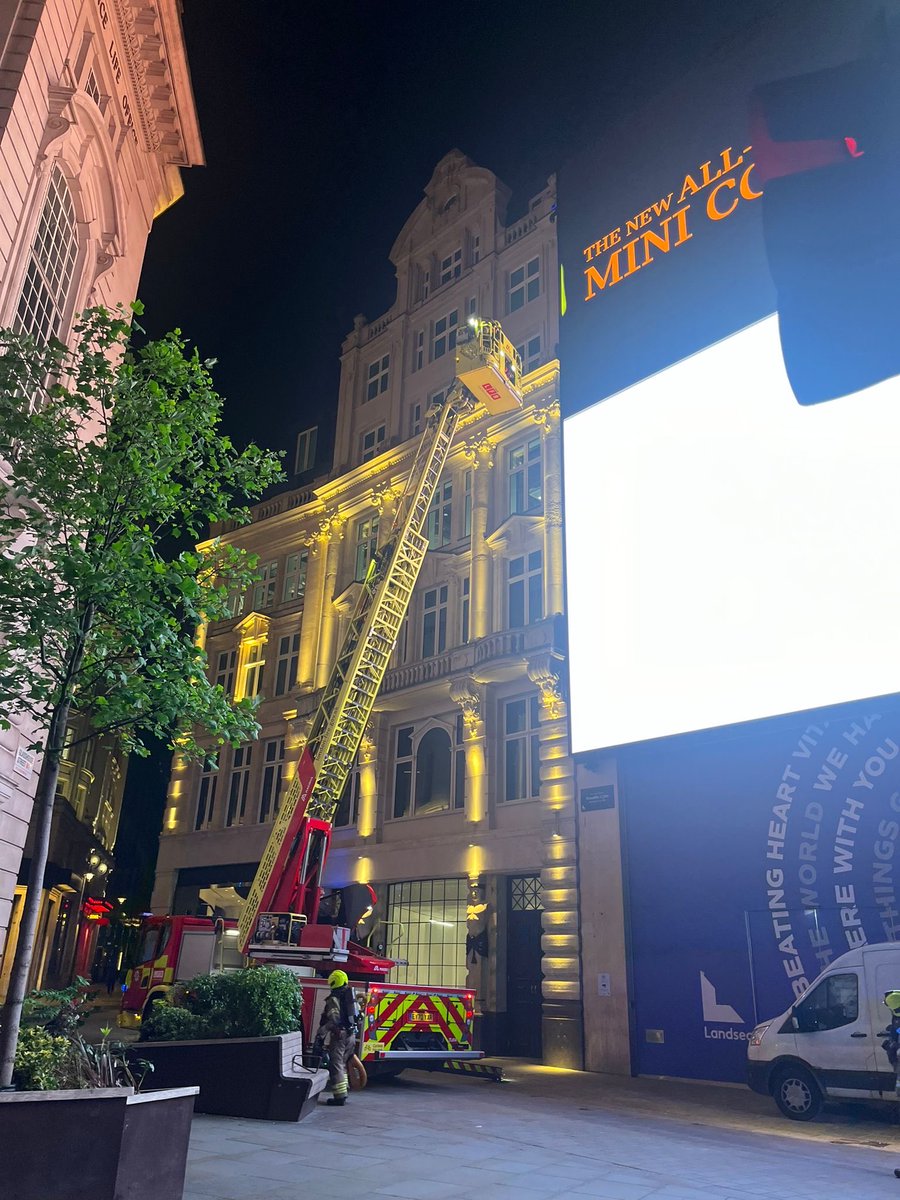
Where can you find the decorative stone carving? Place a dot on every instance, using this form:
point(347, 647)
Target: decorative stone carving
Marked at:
point(467, 694)
point(547, 418)
point(545, 670)
point(480, 452)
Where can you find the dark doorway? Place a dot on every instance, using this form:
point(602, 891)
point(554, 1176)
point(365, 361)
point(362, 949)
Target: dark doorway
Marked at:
point(523, 966)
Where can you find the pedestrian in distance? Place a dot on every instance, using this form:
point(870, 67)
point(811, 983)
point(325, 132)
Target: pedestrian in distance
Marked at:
point(891, 1043)
point(338, 1028)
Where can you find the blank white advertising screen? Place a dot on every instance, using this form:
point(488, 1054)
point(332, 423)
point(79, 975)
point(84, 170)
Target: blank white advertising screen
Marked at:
point(731, 554)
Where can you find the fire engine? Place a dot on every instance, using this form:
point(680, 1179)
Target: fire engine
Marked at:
point(280, 922)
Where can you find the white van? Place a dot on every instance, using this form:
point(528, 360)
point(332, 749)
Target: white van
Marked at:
point(827, 1045)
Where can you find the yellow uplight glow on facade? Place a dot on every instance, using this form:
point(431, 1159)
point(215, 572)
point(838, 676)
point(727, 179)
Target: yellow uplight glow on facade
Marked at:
point(363, 869)
point(475, 779)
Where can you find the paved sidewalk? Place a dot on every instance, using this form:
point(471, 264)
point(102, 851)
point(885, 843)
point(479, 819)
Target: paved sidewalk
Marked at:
point(546, 1134)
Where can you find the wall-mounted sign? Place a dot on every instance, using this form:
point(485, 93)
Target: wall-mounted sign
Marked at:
point(594, 799)
point(24, 764)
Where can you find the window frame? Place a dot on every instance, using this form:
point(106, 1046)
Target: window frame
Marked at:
point(238, 785)
point(294, 585)
point(444, 330)
point(378, 435)
point(366, 543)
point(305, 454)
point(434, 620)
point(528, 737)
point(270, 780)
point(378, 377)
point(522, 291)
point(529, 579)
point(287, 660)
point(52, 268)
point(265, 590)
point(525, 478)
point(407, 766)
point(207, 786)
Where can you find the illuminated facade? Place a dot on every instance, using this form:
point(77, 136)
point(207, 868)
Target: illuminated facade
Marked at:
point(97, 119)
point(460, 811)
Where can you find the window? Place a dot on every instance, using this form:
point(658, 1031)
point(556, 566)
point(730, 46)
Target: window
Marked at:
point(270, 790)
point(430, 776)
point(366, 544)
point(525, 589)
point(434, 621)
point(444, 337)
point(403, 764)
point(306, 450)
point(238, 784)
point(476, 248)
point(438, 524)
point(437, 398)
point(426, 922)
point(378, 377)
point(464, 611)
point(286, 663)
point(521, 761)
point(467, 504)
point(426, 284)
point(225, 670)
point(451, 266)
point(415, 420)
point(471, 306)
point(235, 603)
point(264, 589)
point(348, 808)
point(530, 354)
point(524, 285)
point(92, 87)
point(206, 797)
point(418, 350)
point(526, 893)
point(372, 442)
point(835, 1002)
point(525, 471)
point(51, 265)
point(253, 671)
point(295, 566)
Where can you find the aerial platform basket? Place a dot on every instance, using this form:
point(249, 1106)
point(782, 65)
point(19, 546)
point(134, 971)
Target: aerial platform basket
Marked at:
point(488, 365)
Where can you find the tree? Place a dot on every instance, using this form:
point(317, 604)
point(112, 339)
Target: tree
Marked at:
point(112, 455)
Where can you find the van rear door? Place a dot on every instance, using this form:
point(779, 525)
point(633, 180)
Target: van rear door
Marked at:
point(834, 1034)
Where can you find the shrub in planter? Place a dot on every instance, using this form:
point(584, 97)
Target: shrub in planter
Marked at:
point(43, 1061)
point(258, 1002)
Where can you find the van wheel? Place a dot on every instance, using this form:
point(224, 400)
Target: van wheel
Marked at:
point(797, 1094)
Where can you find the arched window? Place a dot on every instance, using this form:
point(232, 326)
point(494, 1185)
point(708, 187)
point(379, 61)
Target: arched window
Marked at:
point(51, 264)
point(433, 772)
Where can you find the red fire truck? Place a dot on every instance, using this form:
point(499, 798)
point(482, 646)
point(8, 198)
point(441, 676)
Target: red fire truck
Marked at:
point(280, 921)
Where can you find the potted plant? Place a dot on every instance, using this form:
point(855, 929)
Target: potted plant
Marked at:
point(237, 1034)
point(65, 1087)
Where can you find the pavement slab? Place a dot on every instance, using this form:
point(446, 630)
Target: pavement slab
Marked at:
point(546, 1135)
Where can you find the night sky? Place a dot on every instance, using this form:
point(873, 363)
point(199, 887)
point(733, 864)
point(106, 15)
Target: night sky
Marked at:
point(322, 123)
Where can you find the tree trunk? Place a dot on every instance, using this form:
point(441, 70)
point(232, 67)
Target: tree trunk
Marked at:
point(41, 821)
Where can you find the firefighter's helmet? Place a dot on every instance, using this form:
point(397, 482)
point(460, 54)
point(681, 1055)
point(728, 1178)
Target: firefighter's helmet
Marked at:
point(892, 1000)
point(338, 979)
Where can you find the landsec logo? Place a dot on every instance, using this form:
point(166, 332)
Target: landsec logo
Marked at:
point(717, 1013)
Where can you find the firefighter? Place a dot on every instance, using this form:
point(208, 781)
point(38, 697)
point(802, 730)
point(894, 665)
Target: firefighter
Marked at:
point(338, 1027)
point(891, 1043)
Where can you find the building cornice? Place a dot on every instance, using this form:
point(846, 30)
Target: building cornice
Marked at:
point(154, 63)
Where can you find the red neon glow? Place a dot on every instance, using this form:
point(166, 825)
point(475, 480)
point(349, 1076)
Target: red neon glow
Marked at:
point(853, 147)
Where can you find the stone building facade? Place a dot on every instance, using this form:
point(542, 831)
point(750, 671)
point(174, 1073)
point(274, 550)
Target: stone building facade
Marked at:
point(460, 811)
point(97, 120)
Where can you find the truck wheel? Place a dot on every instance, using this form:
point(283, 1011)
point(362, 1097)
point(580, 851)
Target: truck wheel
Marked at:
point(797, 1094)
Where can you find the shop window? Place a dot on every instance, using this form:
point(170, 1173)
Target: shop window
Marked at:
point(426, 922)
point(270, 789)
point(525, 589)
point(525, 476)
point(521, 760)
point(286, 663)
point(206, 795)
point(524, 285)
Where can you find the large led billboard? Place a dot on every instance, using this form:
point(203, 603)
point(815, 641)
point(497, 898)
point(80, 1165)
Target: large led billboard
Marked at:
point(731, 386)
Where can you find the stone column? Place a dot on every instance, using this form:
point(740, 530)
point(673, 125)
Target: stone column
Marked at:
point(562, 1007)
point(469, 696)
point(312, 608)
point(481, 454)
point(368, 782)
point(548, 419)
point(329, 626)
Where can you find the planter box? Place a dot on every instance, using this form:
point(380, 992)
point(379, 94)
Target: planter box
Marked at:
point(95, 1144)
point(239, 1077)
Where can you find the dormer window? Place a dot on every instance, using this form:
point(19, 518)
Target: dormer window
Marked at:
point(450, 202)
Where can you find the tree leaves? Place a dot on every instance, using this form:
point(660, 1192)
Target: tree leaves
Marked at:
point(109, 450)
